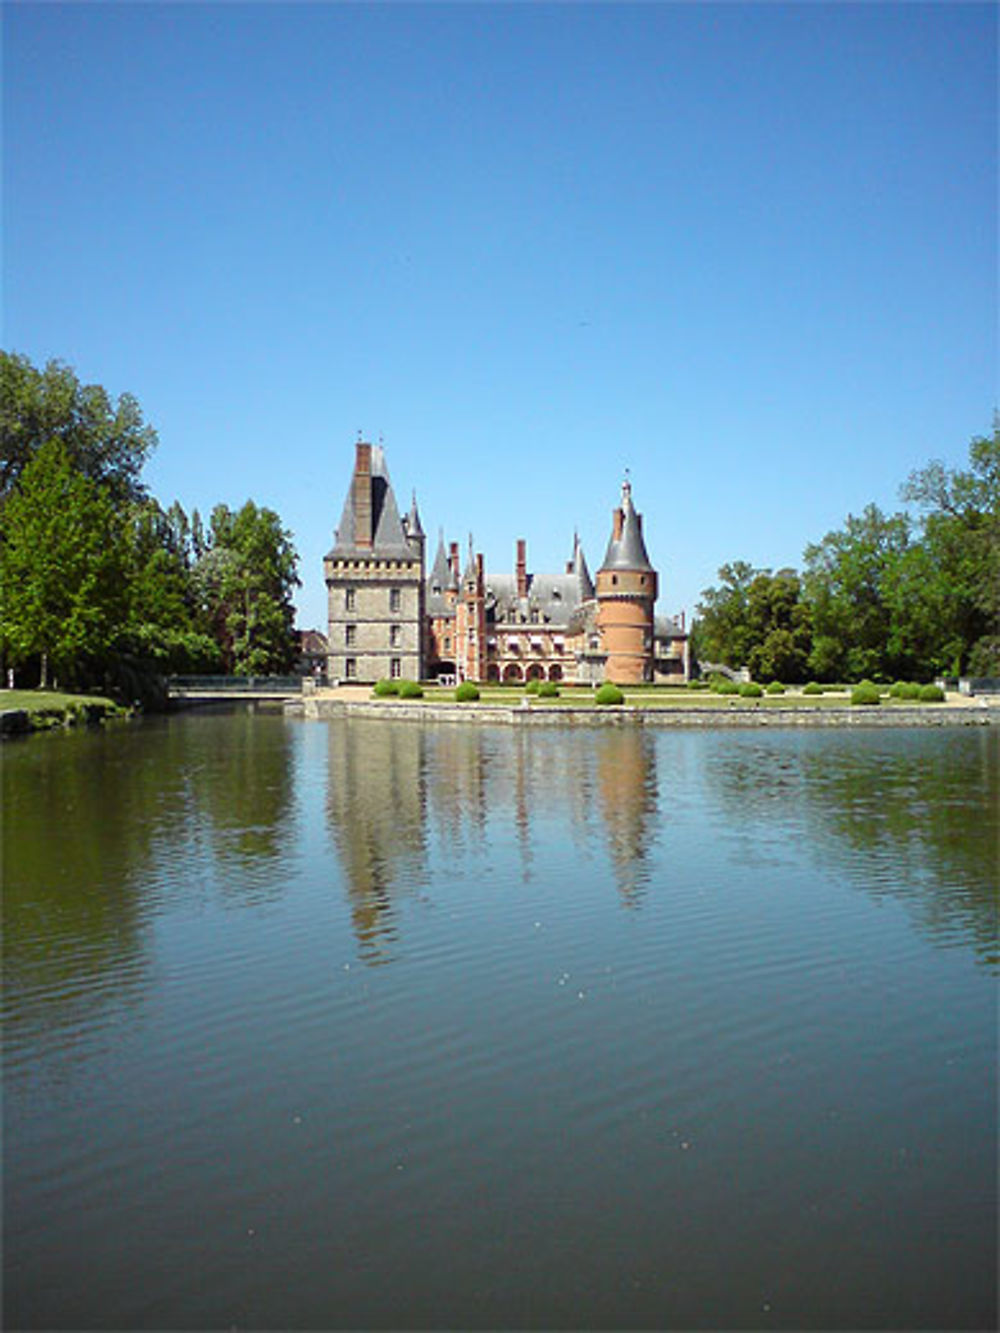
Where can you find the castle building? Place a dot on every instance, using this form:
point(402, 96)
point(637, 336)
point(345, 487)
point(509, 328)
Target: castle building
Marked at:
point(375, 580)
point(387, 619)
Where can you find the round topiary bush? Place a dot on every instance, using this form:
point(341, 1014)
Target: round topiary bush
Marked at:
point(812, 688)
point(896, 689)
point(910, 690)
point(548, 689)
point(725, 686)
point(931, 694)
point(865, 693)
point(409, 689)
point(775, 687)
point(751, 690)
point(532, 686)
point(467, 692)
point(609, 694)
point(386, 687)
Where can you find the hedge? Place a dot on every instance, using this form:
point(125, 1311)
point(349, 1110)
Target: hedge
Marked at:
point(609, 694)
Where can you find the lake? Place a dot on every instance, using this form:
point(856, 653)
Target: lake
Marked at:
point(369, 1024)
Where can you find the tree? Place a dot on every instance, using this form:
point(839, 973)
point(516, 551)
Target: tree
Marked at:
point(163, 632)
point(779, 624)
point(721, 630)
point(107, 441)
point(245, 579)
point(849, 577)
point(61, 567)
point(961, 540)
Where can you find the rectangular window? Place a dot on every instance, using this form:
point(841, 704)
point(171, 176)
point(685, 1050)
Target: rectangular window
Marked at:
point(447, 643)
point(395, 668)
point(350, 668)
point(350, 635)
point(348, 599)
point(393, 599)
point(394, 633)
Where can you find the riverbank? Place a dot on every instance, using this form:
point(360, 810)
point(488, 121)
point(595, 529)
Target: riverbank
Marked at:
point(24, 711)
point(356, 701)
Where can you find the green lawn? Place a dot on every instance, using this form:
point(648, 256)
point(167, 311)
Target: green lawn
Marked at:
point(654, 696)
point(53, 701)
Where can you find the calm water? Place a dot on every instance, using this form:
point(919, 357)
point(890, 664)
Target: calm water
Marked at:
point(358, 1024)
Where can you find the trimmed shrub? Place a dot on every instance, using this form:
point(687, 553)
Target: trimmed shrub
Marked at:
point(548, 689)
point(751, 690)
point(812, 688)
point(409, 689)
point(467, 692)
point(383, 688)
point(866, 693)
point(910, 690)
point(723, 685)
point(775, 687)
point(931, 694)
point(698, 685)
point(532, 686)
point(609, 694)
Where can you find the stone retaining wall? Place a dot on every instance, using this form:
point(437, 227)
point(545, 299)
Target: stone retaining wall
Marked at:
point(927, 715)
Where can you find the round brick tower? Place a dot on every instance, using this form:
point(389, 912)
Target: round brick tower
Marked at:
point(626, 595)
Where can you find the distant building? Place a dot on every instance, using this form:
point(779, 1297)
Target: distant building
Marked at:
point(389, 619)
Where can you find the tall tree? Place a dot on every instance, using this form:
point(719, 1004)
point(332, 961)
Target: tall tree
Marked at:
point(246, 579)
point(107, 440)
point(849, 577)
point(961, 540)
point(62, 576)
point(721, 630)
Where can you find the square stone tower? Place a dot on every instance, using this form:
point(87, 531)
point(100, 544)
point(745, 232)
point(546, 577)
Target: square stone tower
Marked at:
point(375, 580)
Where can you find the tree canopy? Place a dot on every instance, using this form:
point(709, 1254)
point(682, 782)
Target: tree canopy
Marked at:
point(106, 440)
point(886, 595)
point(98, 580)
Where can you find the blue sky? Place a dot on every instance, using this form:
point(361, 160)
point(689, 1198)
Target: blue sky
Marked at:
point(747, 251)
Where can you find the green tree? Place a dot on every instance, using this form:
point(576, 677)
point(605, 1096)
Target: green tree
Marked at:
point(163, 632)
point(779, 624)
point(61, 568)
point(959, 588)
point(721, 629)
point(246, 578)
point(849, 579)
point(108, 441)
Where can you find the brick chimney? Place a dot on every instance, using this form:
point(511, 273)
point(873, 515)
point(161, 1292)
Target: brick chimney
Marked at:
point(453, 559)
point(362, 497)
point(617, 520)
point(522, 567)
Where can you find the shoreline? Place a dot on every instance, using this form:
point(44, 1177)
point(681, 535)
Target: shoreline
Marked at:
point(980, 714)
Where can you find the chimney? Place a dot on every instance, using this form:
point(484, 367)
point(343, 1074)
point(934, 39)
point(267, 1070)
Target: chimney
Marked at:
point(569, 566)
point(617, 519)
point(682, 619)
point(479, 573)
point(522, 567)
point(453, 559)
point(363, 495)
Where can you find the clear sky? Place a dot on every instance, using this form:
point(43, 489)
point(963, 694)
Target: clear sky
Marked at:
point(747, 251)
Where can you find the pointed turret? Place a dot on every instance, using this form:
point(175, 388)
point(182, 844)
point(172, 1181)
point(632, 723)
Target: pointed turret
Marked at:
point(581, 571)
point(626, 594)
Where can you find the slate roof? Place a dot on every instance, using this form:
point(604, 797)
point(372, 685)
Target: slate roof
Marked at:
point(629, 551)
point(440, 579)
point(554, 596)
point(388, 536)
point(667, 627)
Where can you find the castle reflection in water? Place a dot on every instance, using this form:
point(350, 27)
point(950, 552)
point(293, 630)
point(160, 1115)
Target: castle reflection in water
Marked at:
point(404, 800)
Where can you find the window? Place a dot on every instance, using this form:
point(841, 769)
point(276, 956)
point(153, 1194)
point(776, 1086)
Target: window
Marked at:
point(348, 599)
point(447, 643)
point(394, 633)
point(534, 615)
point(393, 599)
point(350, 668)
point(350, 635)
point(395, 668)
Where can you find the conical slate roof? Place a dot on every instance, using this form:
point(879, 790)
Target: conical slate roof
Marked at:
point(440, 580)
point(629, 550)
point(388, 537)
point(413, 525)
point(581, 571)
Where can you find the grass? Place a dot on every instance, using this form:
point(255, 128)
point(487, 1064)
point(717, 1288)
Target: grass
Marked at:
point(55, 708)
point(650, 696)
